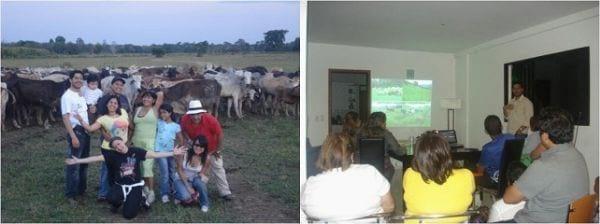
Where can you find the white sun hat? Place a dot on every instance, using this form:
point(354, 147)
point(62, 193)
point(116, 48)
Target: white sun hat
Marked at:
point(195, 107)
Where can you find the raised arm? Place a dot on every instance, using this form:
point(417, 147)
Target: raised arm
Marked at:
point(74, 160)
point(160, 96)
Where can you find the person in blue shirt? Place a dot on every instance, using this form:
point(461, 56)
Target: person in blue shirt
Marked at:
point(491, 153)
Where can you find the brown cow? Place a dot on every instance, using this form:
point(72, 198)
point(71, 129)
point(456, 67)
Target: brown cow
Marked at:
point(180, 94)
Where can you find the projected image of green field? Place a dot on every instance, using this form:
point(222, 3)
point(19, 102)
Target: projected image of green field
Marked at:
point(407, 103)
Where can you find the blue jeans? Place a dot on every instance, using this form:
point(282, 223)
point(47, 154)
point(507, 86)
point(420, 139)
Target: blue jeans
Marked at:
point(167, 171)
point(104, 187)
point(76, 175)
point(183, 194)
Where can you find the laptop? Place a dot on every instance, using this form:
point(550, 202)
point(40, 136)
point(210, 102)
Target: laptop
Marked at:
point(450, 136)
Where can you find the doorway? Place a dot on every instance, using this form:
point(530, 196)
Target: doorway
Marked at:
point(349, 90)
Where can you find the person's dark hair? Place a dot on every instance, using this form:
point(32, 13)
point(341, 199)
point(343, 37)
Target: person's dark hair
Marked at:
point(335, 153)
point(72, 73)
point(117, 79)
point(149, 93)
point(351, 123)
point(514, 170)
point(113, 139)
point(375, 126)
point(493, 125)
point(432, 158)
point(167, 107)
point(534, 123)
point(118, 103)
point(557, 123)
point(92, 78)
point(202, 141)
point(519, 83)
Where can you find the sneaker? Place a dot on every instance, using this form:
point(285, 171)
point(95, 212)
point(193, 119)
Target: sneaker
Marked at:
point(151, 197)
point(204, 208)
point(176, 201)
point(228, 197)
point(165, 199)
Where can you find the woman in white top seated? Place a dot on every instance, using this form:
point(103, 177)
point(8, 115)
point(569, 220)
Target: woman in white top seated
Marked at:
point(191, 168)
point(344, 191)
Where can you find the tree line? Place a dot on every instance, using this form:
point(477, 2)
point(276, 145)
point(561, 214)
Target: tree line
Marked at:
point(274, 41)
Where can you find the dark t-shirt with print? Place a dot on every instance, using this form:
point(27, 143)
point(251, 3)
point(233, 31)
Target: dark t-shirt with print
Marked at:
point(124, 168)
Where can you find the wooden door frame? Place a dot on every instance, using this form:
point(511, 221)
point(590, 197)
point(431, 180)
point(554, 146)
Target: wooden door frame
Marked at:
point(349, 71)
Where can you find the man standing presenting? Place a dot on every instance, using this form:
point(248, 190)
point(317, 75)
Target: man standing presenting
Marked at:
point(557, 178)
point(518, 111)
point(72, 102)
point(197, 122)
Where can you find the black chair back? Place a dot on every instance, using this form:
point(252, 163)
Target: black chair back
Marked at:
point(511, 152)
point(372, 151)
point(312, 155)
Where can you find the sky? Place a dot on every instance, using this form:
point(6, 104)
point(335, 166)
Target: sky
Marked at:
point(150, 22)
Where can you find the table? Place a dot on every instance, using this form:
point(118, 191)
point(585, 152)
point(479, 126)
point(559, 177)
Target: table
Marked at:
point(464, 158)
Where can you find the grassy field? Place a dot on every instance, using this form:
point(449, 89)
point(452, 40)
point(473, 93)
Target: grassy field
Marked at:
point(405, 104)
point(260, 154)
point(290, 62)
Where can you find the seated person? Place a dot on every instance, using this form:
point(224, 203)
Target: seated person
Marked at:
point(351, 126)
point(376, 128)
point(539, 148)
point(532, 141)
point(500, 210)
point(557, 178)
point(344, 191)
point(491, 153)
point(124, 166)
point(432, 186)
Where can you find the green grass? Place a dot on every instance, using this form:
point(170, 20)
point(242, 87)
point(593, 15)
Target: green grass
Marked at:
point(289, 61)
point(260, 153)
point(398, 94)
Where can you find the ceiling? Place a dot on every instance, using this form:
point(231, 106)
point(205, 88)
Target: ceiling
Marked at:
point(428, 26)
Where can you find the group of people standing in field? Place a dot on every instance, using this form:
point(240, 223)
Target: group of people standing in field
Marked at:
point(133, 140)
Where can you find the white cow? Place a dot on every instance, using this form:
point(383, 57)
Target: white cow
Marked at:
point(233, 87)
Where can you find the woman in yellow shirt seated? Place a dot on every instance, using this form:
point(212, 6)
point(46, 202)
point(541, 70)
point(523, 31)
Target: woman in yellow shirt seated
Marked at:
point(431, 186)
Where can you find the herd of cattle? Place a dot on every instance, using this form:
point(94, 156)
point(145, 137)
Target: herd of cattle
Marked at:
point(26, 91)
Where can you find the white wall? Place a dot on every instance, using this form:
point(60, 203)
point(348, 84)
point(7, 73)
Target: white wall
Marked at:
point(480, 75)
point(383, 63)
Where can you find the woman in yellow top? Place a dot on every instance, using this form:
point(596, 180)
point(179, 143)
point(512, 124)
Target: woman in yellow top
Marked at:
point(431, 186)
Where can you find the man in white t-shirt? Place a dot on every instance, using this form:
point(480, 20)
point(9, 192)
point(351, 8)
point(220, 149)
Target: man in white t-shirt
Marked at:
point(72, 102)
point(518, 110)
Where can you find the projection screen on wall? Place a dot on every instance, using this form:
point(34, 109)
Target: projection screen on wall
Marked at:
point(406, 102)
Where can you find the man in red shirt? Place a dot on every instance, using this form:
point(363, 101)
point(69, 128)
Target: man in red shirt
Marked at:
point(197, 122)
